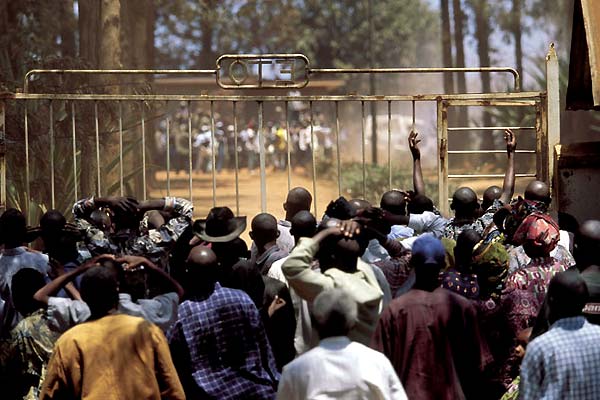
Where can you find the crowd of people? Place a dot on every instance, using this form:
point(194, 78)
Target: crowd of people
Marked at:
point(135, 299)
point(247, 145)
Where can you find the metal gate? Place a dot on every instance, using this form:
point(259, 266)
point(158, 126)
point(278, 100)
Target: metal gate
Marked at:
point(292, 71)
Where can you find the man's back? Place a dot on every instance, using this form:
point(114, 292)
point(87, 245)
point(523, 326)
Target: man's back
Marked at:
point(339, 368)
point(11, 261)
point(433, 342)
point(221, 341)
point(114, 357)
point(563, 363)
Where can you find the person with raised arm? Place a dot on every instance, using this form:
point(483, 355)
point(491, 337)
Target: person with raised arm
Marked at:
point(493, 197)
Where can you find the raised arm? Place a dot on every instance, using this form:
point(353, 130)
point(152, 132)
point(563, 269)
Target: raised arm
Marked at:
point(413, 145)
point(133, 262)
point(84, 207)
point(55, 285)
point(508, 187)
point(57, 269)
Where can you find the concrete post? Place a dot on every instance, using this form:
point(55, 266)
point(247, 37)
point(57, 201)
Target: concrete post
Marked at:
point(553, 113)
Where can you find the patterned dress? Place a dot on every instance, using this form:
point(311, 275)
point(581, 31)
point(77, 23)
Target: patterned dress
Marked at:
point(536, 276)
point(24, 356)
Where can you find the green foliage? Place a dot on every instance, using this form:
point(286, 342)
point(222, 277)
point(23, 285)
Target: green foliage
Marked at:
point(377, 181)
point(330, 33)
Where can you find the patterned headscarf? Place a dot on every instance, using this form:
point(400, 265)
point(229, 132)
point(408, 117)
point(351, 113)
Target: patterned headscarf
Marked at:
point(538, 230)
point(490, 263)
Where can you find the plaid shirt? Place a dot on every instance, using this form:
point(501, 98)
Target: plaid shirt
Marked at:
point(223, 341)
point(563, 363)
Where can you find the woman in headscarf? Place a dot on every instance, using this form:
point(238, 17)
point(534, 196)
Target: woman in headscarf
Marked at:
point(539, 235)
point(460, 278)
point(489, 263)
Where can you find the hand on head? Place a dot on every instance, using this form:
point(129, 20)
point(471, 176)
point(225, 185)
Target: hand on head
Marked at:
point(122, 204)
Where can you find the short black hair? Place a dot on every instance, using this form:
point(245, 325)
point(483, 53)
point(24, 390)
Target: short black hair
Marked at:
point(419, 204)
point(394, 202)
point(340, 209)
point(100, 290)
point(13, 227)
point(304, 224)
point(567, 295)
point(24, 284)
point(334, 313)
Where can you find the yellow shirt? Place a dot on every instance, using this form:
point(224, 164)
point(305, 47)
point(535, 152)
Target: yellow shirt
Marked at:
point(115, 357)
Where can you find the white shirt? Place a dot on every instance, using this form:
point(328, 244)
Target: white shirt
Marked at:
point(340, 369)
point(305, 337)
point(285, 241)
point(428, 222)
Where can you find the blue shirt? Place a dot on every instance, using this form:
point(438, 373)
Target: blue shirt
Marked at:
point(563, 363)
point(226, 350)
point(11, 262)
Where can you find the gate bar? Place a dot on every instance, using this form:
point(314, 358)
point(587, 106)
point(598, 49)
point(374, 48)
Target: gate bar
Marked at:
point(27, 185)
point(98, 185)
point(288, 149)
point(32, 72)
point(51, 134)
point(74, 140)
point(168, 148)
point(389, 134)
point(541, 170)
point(514, 72)
point(442, 160)
point(189, 118)
point(461, 176)
point(312, 151)
point(337, 147)
point(489, 151)
point(414, 123)
point(121, 147)
point(237, 162)
point(2, 154)
point(213, 155)
point(143, 150)
point(362, 141)
point(470, 99)
point(261, 154)
point(309, 71)
point(491, 128)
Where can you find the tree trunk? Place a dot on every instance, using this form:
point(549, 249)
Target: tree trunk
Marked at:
point(89, 30)
point(67, 29)
point(517, 33)
point(447, 46)
point(482, 34)
point(110, 40)
point(137, 52)
point(207, 55)
point(460, 57)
